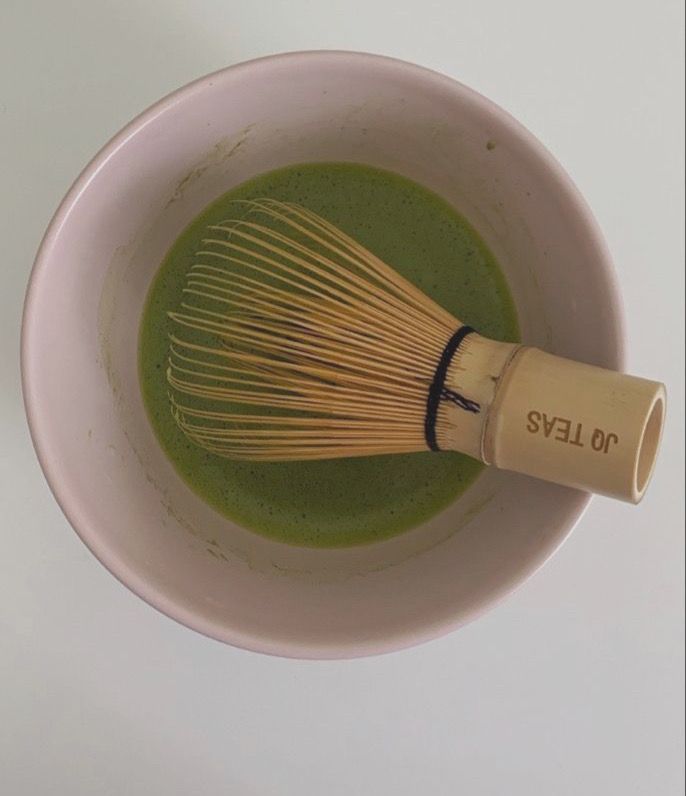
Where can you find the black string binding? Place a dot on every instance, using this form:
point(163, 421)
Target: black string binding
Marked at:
point(438, 390)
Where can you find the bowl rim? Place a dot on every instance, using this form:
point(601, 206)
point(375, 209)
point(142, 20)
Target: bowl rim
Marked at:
point(69, 501)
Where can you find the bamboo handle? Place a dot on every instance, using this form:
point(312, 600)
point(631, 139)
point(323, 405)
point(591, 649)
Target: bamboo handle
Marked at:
point(552, 418)
point(575, 424)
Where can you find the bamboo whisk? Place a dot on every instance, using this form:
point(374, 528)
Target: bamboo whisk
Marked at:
point(293, 341)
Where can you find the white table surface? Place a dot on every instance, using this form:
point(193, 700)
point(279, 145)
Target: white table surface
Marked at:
point(574, 685)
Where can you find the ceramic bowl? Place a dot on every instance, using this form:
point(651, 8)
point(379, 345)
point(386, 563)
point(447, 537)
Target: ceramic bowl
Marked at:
point(79, 348)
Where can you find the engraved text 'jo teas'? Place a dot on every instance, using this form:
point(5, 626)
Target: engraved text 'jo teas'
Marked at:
point(564, 430)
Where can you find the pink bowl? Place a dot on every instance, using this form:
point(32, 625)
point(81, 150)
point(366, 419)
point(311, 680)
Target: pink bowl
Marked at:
point(85, 298)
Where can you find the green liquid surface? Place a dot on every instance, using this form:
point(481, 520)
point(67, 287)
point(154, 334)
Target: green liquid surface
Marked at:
point(339, 502)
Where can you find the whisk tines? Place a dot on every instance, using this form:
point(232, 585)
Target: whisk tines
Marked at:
point(292, 340)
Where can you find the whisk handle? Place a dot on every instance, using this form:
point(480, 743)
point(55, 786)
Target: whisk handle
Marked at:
point(575, 424)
